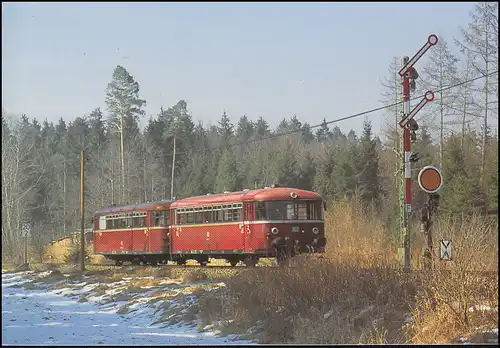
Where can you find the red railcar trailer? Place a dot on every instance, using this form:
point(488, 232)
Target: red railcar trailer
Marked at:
point(136, 232)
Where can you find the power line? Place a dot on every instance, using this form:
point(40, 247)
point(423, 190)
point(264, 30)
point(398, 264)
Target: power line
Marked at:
point(336, 120)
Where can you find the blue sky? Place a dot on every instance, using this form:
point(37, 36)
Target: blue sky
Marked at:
point(315, 60)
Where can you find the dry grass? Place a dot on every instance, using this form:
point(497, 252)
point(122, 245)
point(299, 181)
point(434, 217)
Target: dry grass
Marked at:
point(341, 301)
point(357, 236)
point(356, 293)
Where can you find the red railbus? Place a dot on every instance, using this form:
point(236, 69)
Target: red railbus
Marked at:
point(136, 233)
point(244, 226)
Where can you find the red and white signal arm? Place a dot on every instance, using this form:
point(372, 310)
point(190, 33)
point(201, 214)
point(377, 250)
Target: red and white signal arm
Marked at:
point(430, 179)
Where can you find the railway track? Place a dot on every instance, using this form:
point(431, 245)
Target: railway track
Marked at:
point(163, 266)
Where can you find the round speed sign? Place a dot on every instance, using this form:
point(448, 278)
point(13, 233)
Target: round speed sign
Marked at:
point(430, 179)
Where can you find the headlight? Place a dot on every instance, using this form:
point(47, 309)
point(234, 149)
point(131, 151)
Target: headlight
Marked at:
point(274, 230)
point(315, 230)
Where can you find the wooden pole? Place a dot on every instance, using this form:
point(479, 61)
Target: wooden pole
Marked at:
point(82, 225)
point(25, 249)
point(172, 179)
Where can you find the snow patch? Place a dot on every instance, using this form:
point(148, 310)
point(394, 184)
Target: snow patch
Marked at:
point(482, 308)
point(61, 320)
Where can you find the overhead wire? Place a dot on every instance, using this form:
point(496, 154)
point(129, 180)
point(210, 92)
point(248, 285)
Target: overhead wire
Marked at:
point(332, 121)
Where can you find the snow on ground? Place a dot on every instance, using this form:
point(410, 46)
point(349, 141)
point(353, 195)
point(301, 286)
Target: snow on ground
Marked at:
point(56, 317)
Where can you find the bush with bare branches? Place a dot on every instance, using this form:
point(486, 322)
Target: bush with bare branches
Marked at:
point(460, 295)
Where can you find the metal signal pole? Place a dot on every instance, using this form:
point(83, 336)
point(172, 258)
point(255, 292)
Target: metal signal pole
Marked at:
point(408, 75)
point(407, 174)
point(82, 225)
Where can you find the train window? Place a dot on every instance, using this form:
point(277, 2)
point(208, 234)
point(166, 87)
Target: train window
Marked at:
point(208, 216)
point(181, 219)
point(161, 218)
point(228, 215)
point(303, 211)
point(260, 210)
point(291, 211)
point(139, 221)
point(276, 210)
point(190, 218)
point(129, 220)
point(198, 218)
point(315, 210)
point(236, 214)
point(109, 224)
point(102, 222)
point(218, 217)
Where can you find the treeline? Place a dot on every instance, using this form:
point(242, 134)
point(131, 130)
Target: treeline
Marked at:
point(127, 164)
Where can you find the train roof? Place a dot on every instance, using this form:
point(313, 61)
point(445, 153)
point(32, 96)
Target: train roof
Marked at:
point(265, 194)
point(161, 205)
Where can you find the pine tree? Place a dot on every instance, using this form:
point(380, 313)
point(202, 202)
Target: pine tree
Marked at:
point(326, 167)
point(225, 129)
point(124, 104)
point(323, 134)
point(262, 128)
point(227, 174)
point(307, 135)
point(368, 176)
point(245, 129)
point(461, 191)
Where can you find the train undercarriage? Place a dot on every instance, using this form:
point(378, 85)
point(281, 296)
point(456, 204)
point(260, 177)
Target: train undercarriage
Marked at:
point(281, 252)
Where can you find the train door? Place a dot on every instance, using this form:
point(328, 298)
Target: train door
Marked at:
point(128, 243)
point(248, 218)
point(147, 229)
point(168, 235)
point(141, 233)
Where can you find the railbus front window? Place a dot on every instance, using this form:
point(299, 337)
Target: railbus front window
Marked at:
point(291, 210)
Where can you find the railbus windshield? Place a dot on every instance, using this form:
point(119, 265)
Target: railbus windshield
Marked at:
point(290, 210)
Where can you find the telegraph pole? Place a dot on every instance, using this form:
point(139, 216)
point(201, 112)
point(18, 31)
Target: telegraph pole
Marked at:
point(25, 233)
point(409, 75)
point(172, 179)
point(82, 225)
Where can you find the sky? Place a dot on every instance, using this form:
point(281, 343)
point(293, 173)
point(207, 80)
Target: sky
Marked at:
point(315, 60)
